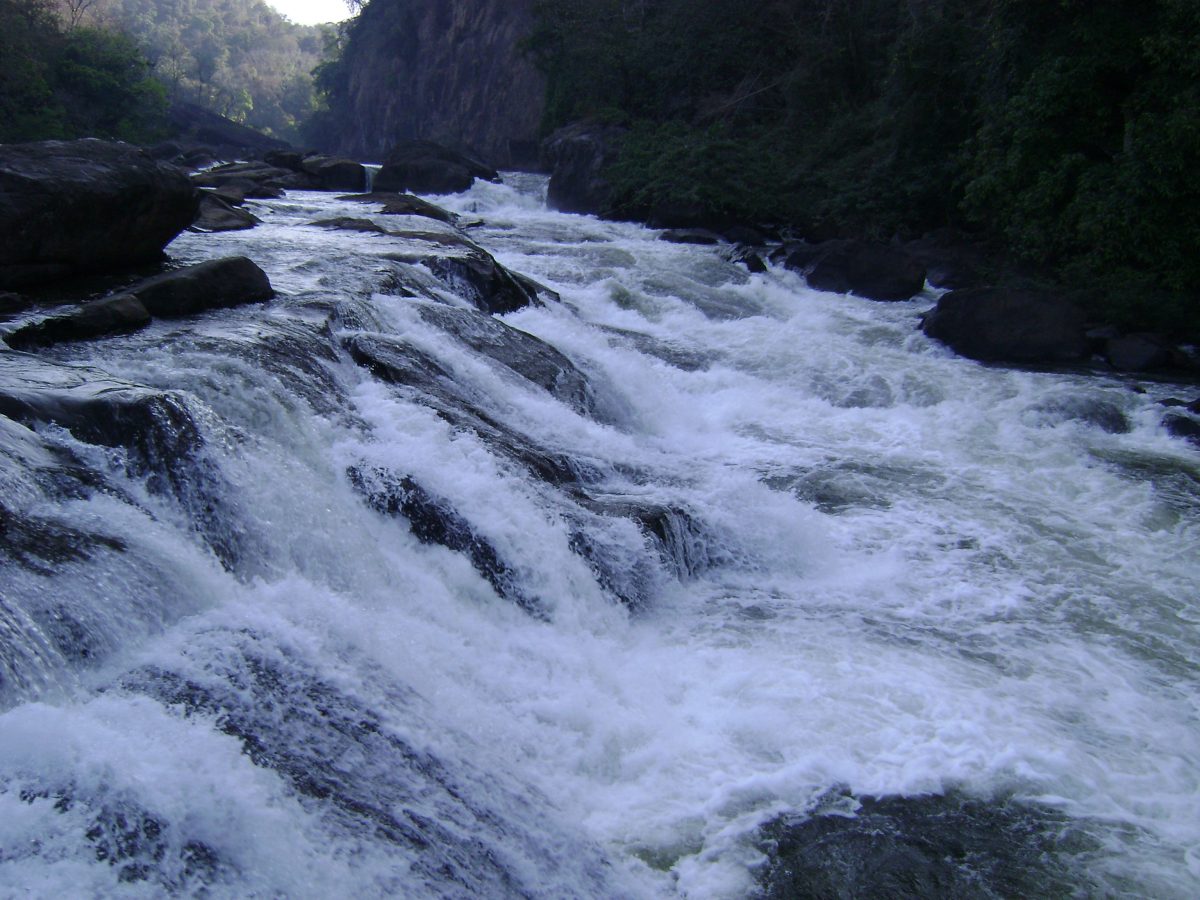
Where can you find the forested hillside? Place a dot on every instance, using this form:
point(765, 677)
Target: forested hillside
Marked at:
point(57, 82)
point(239, 58)
point(1067, 131)
point(108, 68)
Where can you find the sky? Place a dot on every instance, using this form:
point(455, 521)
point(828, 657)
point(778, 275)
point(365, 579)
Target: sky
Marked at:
point(311, 12)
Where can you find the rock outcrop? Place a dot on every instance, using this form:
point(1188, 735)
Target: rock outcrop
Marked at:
point(429, 168)
point(1004, 325)
point(454, 73)
point(215, 284)
point(68, 207)
point(576, 157)
point(866, 268)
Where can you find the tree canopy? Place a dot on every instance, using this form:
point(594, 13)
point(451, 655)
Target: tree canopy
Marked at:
point(1067, 130)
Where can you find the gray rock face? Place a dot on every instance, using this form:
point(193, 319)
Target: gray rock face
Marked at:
point(76, 206)
point(447, 72)
point(1002, 325)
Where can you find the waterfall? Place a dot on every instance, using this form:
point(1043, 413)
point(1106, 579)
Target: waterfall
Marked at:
point(673, 580)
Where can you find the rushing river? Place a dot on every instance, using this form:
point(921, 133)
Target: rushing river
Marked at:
point(777, 554)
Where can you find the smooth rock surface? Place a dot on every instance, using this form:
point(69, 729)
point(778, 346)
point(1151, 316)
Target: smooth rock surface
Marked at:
point(77, 206)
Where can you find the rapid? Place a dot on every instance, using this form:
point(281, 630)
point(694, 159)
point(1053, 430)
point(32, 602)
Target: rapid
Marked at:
point(757, 553)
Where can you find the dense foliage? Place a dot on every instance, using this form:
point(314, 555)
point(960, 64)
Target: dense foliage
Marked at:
point(239, 58)
point(82, 82)
point(1068, 130)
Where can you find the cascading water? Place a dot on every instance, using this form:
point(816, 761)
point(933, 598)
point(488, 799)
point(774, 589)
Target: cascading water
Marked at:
point(363, 593)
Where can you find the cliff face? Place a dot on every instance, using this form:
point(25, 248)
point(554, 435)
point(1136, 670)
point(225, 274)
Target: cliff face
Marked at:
point(450, 72)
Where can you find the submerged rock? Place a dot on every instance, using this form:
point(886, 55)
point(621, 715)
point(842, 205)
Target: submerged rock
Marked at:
point(530, 357)
point(68, 207)
point(162, 440)
point(397, 204)
point(1182, 427)
point(428, 168)
point(398, 363)
point(1009, 325)
point(349, 223)
point(434, 520)
point(872, 848)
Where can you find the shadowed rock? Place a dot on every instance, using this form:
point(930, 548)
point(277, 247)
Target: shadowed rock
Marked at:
point(215, 284)
point(577, 157)
point(163, 441)
point(866, 268)
point(1003, 325)
point(428, 168)
point(218, 214)
point(112, 315)
point(68, 207)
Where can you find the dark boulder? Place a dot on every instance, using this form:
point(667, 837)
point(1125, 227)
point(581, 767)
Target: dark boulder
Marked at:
point(428, 168)
point(1003, 325)
point(215, 284)
point(747, 256)
point(232, 193)
point(869, 269)
point(112, 315)
point(952, 259)
point(576, 157)
point(395, 204)
point(478, 278)
point(76, 206)
point(256, 179)
point(530, 357)
point(699, 236)
point(1182, 427)
point(335, 173)
point(1137, 352)
point(218, 214)
point(285, 159)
